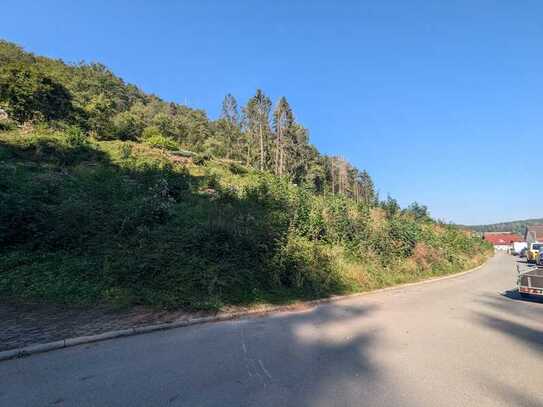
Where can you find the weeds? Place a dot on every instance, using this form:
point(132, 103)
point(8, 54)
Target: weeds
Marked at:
point(85, 222)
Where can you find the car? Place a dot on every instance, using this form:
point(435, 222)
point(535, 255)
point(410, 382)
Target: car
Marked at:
point(533, 252)
point(523, 252)
point(539, 258)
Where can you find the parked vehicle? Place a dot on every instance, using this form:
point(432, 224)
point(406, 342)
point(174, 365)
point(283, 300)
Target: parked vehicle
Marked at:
point(533, 251)
point(539, 259)
point(530, 282)
point(523, 252)
point(518, 246)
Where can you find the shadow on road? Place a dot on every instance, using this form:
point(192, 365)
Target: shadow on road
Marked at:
point(515, 295)
point(509, 393)
point(515, 319)
point(532, 337)
point(323, 358)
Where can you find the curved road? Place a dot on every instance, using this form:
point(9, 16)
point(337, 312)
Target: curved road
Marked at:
point(464, 341)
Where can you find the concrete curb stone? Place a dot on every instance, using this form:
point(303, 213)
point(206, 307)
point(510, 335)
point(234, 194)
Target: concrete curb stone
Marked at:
point(68, 342)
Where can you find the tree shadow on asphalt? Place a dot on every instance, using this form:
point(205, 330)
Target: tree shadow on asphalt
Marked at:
point(530, 336)
point(508, 393)
point(513, 294)
point(329, 358)
point(513, 319)
point(510, 315)
point(322, 357)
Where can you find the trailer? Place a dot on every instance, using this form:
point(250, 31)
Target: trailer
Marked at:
point(530, 282)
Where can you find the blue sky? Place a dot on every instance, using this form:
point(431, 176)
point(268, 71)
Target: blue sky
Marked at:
point(438, 100)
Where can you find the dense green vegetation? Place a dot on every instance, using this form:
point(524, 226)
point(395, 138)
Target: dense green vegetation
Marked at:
point(516, 226)
point(90, 97)
point(110, 195)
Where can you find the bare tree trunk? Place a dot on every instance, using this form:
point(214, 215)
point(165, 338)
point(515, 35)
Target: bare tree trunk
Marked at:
point(277, 148)
point(281, 163)
point(333, 178)
point(248, 154)
point(261, 149)
point(356, 188)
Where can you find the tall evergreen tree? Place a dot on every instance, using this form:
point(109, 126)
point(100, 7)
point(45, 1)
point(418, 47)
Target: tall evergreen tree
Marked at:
point(229, 110)
point(257, 113)
point(282, 123)
point(230, 123)
point(368, 194)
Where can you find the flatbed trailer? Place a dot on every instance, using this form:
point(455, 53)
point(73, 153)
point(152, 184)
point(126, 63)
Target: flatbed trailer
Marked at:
point(531, 282)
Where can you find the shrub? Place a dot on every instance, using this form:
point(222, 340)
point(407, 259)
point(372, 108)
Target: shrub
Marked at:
point(75, 136)
point(237, 169)
point(77, 226)
point(163, 142)
point(30, 94)
point(201, 159)
point(7, 124)
point(126, 151)
point(307, 266)
point(127, 125)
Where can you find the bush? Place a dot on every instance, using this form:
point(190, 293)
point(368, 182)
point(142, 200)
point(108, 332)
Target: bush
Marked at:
point(78, 225)
point(7, 124)
point(159, 141)
point(201, 159)
point(75, 136)
point(30, 94)
point(127, 126)
point(237, 169)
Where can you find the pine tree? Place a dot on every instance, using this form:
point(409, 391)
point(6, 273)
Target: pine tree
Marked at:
point(257, 114)
point(282, 123)
point(368, 194)
point(230, 120)
point(229, 110)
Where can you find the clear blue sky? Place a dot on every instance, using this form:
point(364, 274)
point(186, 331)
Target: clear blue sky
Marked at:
point(438, 100)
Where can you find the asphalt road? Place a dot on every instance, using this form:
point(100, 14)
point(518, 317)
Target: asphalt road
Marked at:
point(458, 342)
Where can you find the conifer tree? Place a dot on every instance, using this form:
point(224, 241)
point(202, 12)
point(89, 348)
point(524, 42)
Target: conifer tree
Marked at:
point(282, 123)
point(257, 113)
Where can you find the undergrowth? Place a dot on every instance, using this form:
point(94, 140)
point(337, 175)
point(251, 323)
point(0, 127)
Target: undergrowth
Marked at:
point(119, 222)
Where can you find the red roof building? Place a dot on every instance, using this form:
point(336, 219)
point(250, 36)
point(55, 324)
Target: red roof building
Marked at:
point(501, 239)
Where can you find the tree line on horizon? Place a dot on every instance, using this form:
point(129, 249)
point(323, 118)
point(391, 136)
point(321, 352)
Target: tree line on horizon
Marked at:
point(517, 226)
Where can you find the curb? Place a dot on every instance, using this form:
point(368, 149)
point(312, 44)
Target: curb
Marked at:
point(69, 342)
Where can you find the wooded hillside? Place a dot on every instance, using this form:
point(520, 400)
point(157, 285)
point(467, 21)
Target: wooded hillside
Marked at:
point(260, 134)
point(110, 195)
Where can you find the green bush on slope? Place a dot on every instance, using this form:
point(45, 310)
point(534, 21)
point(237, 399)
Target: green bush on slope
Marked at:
point(85, 221)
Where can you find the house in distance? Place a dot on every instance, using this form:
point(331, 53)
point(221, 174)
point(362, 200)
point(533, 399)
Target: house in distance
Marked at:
point(502, 241)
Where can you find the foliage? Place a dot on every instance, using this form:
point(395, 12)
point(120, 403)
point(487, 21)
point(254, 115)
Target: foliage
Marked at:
point(90, 96)
point(85, 222)
point(29, 94)
point(93, 210)
point(160, 141)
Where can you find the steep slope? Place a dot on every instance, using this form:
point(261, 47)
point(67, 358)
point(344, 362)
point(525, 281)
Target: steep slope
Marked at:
point(111, 195)
point(85, 222)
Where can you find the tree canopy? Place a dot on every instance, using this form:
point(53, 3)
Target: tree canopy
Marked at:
point(89, 95)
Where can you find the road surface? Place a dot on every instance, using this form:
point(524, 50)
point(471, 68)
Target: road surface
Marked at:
point(455, 342)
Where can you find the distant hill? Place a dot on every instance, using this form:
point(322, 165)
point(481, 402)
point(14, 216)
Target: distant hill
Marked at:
point(517, 226)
